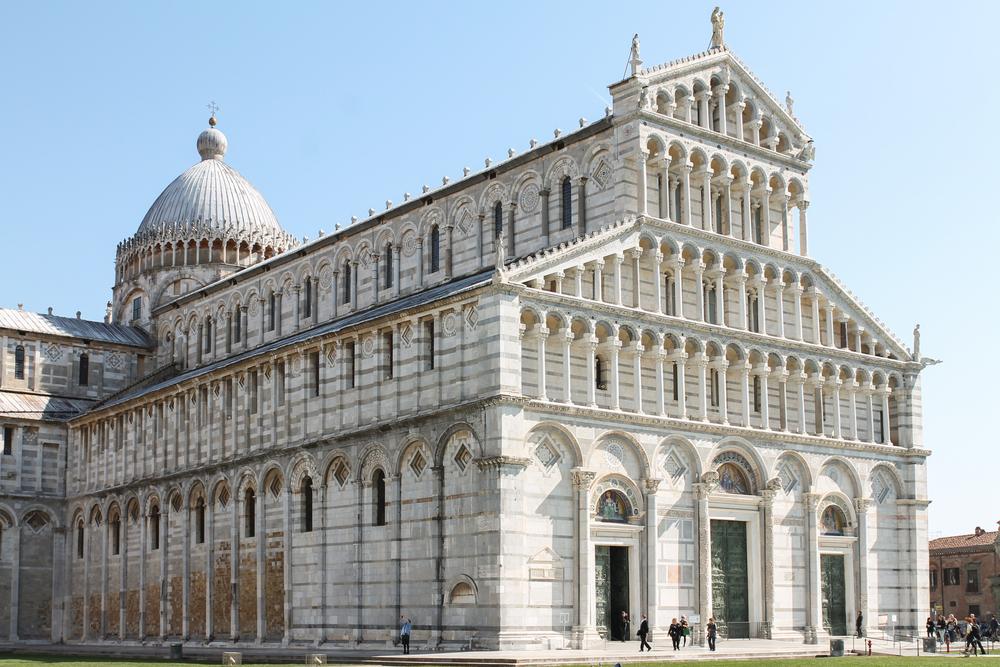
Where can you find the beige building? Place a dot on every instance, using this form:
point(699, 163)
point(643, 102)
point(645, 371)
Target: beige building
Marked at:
point(601, 375)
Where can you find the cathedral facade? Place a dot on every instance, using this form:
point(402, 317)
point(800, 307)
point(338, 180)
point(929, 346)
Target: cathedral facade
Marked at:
point(601, 375)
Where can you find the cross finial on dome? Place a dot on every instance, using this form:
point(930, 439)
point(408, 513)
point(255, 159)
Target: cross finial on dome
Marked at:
point(214, 108)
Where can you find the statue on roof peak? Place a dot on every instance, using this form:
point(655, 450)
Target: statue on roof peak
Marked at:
point(718, 24)
point(634, 60)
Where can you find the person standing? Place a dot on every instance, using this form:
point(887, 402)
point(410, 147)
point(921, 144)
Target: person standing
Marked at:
point(626, 625)
point(405, 627)
point(675, 633)
point(643, 633)
point(930, 626)
point(859, 624)
point(713, 630)
point(685, 630)
point(974, 638)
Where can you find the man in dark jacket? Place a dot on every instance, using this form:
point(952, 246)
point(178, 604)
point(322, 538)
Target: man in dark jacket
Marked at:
point(859, 624)
point(643, 633)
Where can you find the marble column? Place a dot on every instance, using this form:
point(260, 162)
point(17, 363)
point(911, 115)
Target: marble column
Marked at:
point(744, 371)
point(660, 358)
point(637, 350)
point(796, 290)
point(616, 269)
point(765, 418)
point(702, 492)
point(698, 268)
point(741, 300)
point(585, 631)
point(803, 233)
point(541, 336)
point(544, 194)
point(657, 257)
point(635, 254)
point(685, 216)
point(598, 282)
point(767, 530)
point(652, 538)
point(701, 368)
point(835, 397)
point(591, 346)
point(614, 347)
point(861, 506)
point(677, 268)
point(679, 368)
point(641, 159)
point(567, 375)
point(852, 407)
point(814, 609)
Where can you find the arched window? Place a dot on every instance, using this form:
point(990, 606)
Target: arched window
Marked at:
point(435, 249)
point(84, 374)
point(497, 220)
point(136, 307)
point(833, 521)
point(600, 373)
point(154, 528)
point(79, 539)
point(378, 497)
point(462, 593)
point(115, 526)
point(249, 513)
point(733, 480)
point(307, 298)
point(347, 280)
point(388, 265)
point(307, 504)
point(567, 203)
point(199, 521)
point(19, 362)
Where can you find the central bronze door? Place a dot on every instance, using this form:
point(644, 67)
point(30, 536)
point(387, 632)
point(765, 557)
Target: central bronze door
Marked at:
point(730, 596)
point(834, 594)
point(611, 583)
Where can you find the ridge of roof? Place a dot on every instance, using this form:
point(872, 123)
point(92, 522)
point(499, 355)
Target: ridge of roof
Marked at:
point(71, 327)
point(986, 538)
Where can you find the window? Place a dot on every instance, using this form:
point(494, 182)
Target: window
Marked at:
point(208, 334)
point(753, 315)
point(254, 391)
point(675, 380)
point(199, 522)
point(714, 386)
point(972, 580)
point(718, 215)
point(843, 334)
point(933, 582)
point(154, 528)
point(677, 205)
point(19, 362)
point(387, 347)
point(429, 345)
point(567, 203)
point(237, 324)
point(756, 223)
point(115, 525)
point(952, 577)
point(347, 281)
point(711, 312)
point(668, 289)
point(84, 370)
point(314, 365)
point(378, 491)
point(136, 307)
point(249, 513)
point(307, 298)
point(79, 539)
point(600, 373)
point(350, 349)
point(388, 265)
point(497, 220)
point(307, 504)
point(756, 393)
point(880, 429)
point(8, 440)
point(279, 383)
point(974, 609)
point(272, 302)
point(435, 249)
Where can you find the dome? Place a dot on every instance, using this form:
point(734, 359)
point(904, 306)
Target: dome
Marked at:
point(212, 196)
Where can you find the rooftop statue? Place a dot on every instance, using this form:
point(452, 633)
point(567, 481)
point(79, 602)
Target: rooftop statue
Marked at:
point(718, 24)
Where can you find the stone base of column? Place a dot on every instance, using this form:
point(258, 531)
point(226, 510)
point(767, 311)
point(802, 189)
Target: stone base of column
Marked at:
point(811, 636)
point(586, 637)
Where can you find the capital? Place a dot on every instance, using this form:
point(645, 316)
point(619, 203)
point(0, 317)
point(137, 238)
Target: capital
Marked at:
point(652, 484)
point(582, 478)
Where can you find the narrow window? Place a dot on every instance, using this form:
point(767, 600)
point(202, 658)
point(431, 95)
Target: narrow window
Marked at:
point(879, 426)
point(116, 536)
point(154, 528)
point(307, 299)
point(347, 281)
point(199, 522)
point(8, 440)
point(676, 381)
point(435, 249)
point(600, 373)
point(843, 334)
point(387, 347)
point(714, 386)
point(756, 393)
point(279, 383)
point(307, 504)
point(497, 220)
point(567, 203)
point(753, 317)
point(314, 364)
point(136, 307)
point(972, 580)
point(668, 288)
point(429, 345)
point(350, 363)
point(19, 362)
point(238, 324)
point(79, 539)
point(758, 237)
point(677, 204)
point(254, 391)
point(249, 513)
point(84, 378)
point(388, 265)
point(711, 312)
point(378, 489)
point(272, 302)
point(718, 215)
point(208, 334)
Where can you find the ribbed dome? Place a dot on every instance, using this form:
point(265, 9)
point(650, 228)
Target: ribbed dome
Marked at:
point(211, 194)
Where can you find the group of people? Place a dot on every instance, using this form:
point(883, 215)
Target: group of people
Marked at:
point(679, 631)
point(950, 629)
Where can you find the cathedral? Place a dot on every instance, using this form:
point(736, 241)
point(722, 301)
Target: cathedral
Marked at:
point(601, 375)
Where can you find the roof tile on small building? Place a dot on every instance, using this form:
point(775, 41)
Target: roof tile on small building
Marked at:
point(970, 541)
point(54, 325)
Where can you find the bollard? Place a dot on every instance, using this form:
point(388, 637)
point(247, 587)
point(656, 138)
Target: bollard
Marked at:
point(232, 658)
point(177, 651)
point(316, 659)
point(836, 648)
point(869, 647)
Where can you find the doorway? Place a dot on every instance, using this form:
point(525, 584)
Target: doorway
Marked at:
point(834, 594)
point(611, 579)
point(730, 597)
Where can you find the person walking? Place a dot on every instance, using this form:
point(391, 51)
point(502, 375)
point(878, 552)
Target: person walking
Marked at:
point(859, 624)
point(713, 630)
point(643, 634)
point(685, 630)
point(675, 633)
point(405, 627)
point(626, 625)
point(974, 638)
point(994, 627)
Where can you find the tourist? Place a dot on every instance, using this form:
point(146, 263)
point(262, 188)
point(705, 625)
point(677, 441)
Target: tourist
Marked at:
point(675, 633)
point(942, 628)
point(405, 627)
point(973, 637)
point(952, 626)
point(859, 624)
point(713, 630)
point(994, 627)
point(930, 626)
point(685, 630)
point(626, 625)
point(643, 633)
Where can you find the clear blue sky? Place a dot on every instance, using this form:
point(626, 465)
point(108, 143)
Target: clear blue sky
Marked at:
point(332, 108)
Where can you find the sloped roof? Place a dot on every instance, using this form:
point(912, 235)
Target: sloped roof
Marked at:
point(18, 405)
point(54, 325)
point(971, 542)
